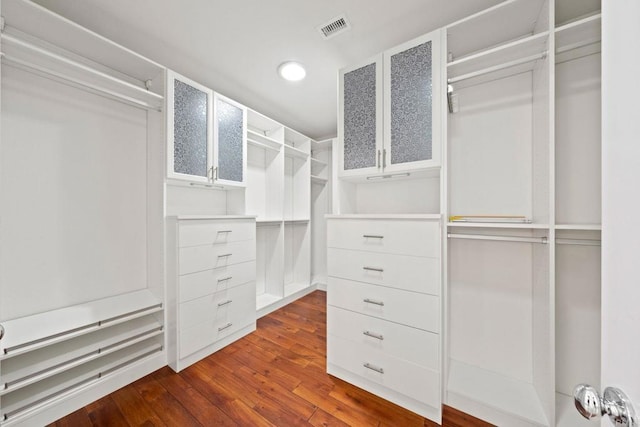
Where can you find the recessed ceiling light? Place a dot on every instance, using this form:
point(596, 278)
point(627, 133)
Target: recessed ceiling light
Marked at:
point(292, 71)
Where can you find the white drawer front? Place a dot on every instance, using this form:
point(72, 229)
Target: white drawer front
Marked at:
point(373, 334)
point(412, 273)
point(408, 308)
point(419, 383)
point(241, 314)
point(407, 237)
point(194, 232)
point(215, 306)
point(200, 258)
point(196, 285)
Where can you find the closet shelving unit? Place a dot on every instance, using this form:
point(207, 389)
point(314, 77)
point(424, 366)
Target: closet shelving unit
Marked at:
point(278, 193)
point(523, 139)
point(499, 354)
point(297, 214)
point(82, 286)
point(577, 204)
point(321, 187)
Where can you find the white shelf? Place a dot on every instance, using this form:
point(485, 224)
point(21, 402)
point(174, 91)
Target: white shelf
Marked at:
point(290, 151)
point(297, 221)
point(579, 33)
point(292, 288)
point(383, 216)
point(579, 227)
point(319, 180)
point(507, 225)
point(520, 53)
point(44, 329)
point(267, 221)
point(318, 162)
point(40, 22)
point(510, 20)
point(509, 395)
point(266, 300)
point(259, 140)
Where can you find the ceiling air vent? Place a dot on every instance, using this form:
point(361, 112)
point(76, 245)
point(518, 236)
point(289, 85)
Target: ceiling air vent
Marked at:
point(334, 27)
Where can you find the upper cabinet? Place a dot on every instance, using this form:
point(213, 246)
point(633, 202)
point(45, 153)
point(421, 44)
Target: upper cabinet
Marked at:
point(206, 134)
point(230, 141)
point(189, 129)
point(387, 120)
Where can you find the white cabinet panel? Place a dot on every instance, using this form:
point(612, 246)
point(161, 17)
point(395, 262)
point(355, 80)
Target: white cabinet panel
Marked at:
point(199, 258)
point(406, 272)
point(410, 344)
point(408, 237)
point(195, 233)
point(421, 384)
point(407, 308)
point(206, 282)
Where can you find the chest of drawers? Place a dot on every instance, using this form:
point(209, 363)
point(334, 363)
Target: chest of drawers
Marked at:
point(211, 273)
point(384, 307)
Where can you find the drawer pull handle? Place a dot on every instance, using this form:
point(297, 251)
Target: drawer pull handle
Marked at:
point(379, 270)
point(225, 278)
point(373, 368)
point(373, 335)
point(222, 328)
point(372, 236)
point(220, 304)
point(225, 231)
point(224, 255)
point(371, 301)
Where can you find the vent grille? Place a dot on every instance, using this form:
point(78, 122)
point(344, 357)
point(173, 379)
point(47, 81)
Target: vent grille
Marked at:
point(334, 27)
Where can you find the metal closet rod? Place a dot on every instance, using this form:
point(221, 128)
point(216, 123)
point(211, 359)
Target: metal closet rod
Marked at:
point(542, 240)
point(579, 242)
point(499, 67)
point(95, 88)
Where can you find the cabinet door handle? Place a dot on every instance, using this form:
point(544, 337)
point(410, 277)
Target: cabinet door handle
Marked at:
point(224, 231)
point(384, 158)
point(215, 173)
point(222, 328)
point(379, 270)
point(372, 236)
point(225, 278)
point(220, 304)
point(373, 335)
point(374, 368)
point(210, 174)
point(379, 164)
point(371, 301)
point(224, 255)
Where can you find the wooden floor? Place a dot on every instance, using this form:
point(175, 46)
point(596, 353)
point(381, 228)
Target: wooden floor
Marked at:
point(275, 376)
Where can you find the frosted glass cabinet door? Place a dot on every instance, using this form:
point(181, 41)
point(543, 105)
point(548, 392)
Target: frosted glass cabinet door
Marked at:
point(412, 104)
point(360, 118)
point(189, 130)
point(230, 143)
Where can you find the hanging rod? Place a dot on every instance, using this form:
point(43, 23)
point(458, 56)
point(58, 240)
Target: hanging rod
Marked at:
point(499, 67)
point(82, 67)
point(579, 242)
point(542, 240)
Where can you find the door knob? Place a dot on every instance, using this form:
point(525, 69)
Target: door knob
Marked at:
point(614, 403)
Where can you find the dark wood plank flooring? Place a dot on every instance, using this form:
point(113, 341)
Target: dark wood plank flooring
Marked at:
point(275, 376)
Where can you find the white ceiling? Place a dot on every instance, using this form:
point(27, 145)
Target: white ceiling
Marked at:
point(235, 46)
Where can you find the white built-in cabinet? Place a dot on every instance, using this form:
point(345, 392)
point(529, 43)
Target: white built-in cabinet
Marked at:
point(520, 188)
point(211, 272)
point(389, 120)
point(82, 303)
point(206, 135)
point(278, 194)
point(523, 140)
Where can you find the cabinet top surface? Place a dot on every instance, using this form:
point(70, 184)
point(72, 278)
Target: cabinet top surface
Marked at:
point(384, 216)
point(196, 217)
